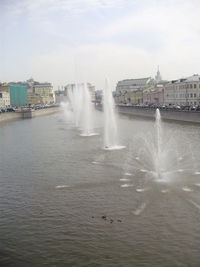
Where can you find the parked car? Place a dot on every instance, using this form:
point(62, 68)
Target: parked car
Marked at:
point(10, 110)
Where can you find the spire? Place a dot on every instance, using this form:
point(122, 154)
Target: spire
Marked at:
point(158, 77)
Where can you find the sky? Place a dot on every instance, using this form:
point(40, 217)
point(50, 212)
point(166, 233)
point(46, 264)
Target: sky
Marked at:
point(66, 41)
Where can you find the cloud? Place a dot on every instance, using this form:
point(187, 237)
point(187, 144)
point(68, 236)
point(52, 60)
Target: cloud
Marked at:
point(90, 35)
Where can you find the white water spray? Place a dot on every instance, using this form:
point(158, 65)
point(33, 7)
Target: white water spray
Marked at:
point(111, 141)
point(87, 113)
point(158, 150)
point(81, 108)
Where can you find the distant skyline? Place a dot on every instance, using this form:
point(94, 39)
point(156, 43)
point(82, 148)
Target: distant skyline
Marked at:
point(63, 41)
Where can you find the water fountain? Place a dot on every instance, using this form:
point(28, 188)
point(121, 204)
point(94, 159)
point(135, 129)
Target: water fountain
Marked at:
point(80, 109)
point(87, 113)
point(158, 160)
point(111, 141)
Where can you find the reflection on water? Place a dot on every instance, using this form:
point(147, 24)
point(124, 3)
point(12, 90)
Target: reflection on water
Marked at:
point(64, 201)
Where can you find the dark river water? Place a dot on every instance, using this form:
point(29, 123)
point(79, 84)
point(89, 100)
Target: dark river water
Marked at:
point(64, 201)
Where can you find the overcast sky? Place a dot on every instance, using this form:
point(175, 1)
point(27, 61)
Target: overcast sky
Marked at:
point(61, 41)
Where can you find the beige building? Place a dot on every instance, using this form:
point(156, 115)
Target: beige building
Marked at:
point(34, 99)
point(4, 99)
point(5, 87)
point(154, 95)
point(40, 93)
point(131, 91)
point(183, 91)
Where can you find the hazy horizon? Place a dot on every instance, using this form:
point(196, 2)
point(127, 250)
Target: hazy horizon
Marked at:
point(74, 40)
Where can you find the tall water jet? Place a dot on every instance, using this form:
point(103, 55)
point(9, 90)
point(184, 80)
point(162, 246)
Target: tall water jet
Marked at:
point(78, 104)
point(111, 141)
point(87, 113)
point(158, 150)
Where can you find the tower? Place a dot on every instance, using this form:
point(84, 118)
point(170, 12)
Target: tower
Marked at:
point(158, 77)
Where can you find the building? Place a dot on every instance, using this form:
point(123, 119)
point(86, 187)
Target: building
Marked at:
point(5, 87)
point(91, 89)
point(185, 91)
point(154, 95)
point(133, 84)
point(99, 96)
point(18, 94)
point(45, 93)
point(131, 91)
point(4, 99)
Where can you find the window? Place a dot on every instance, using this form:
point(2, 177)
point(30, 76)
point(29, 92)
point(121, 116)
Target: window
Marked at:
point(191, 95)
point(195, 86)
point(191, 86)
point(195, 95)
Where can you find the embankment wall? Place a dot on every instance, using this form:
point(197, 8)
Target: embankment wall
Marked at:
point(173, 115)
point(10, 116)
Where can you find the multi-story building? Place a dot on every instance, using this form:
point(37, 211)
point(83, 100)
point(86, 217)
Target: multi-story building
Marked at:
point(91, 89)
point(184, 91)
point(18, 94)
point(4, 99)
point(40, 93)
point(154, 95)
point(133, 84)
point(131, 90)
point(5, 87)
point(44, 92)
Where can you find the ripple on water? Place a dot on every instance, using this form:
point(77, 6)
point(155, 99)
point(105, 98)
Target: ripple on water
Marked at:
point(88, 134)
point(110, 148)
point(126, 185)
point(143, 170)
point(127, 173)
point(95, 162)
point(140, 209)
point(187, 189)
point(194, 204)
point(165, 191)
point(124, 179)
point(140, 190)
point(61, 186)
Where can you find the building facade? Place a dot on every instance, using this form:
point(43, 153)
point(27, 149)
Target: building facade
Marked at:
point(45, 93)
point(183, 91)
point(18, 94)
point(154, 95)
point(4, 99)
point(131, 91)
point(5, 87)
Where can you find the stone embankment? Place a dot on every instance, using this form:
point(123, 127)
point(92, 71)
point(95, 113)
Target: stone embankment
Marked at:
point(10, 116)
point(166, 114)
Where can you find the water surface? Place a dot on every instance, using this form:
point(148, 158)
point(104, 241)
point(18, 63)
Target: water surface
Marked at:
point(56, 185)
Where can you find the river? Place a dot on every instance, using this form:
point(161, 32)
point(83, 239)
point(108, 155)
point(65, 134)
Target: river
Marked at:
point(64, 201)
